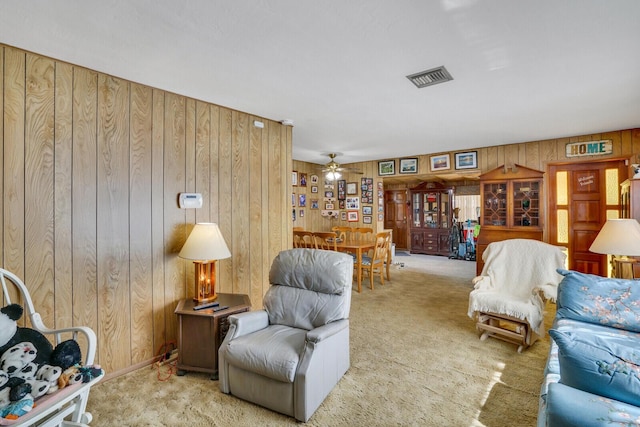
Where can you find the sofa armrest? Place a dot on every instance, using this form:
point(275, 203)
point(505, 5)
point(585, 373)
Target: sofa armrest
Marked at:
point(246, 323)
point(325, 331)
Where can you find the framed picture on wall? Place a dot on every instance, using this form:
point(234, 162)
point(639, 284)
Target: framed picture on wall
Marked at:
point(409, 165)
point(314, 204)
point(366, 219)
point(387, 167)
point(314, 179)
point(352, 188)
point(468, 160)
point(440, 163)
point(303, 179)
point(352, 216)
point(314, 188)
point(367, 210)
point(343, 216)
point(302, 200)
point(294, 178)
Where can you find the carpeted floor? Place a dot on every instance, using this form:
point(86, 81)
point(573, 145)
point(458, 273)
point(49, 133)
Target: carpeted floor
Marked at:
point(416, 360)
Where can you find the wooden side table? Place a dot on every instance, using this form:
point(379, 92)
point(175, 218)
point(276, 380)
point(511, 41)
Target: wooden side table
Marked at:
point(200, 332)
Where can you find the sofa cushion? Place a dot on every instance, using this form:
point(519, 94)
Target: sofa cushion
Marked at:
point(607, 366)
point(272, 352)
point(599, 300)
point(568, 406)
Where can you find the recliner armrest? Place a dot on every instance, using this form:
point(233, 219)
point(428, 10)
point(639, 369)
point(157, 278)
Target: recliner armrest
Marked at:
point(323, 332)
point(248, 322)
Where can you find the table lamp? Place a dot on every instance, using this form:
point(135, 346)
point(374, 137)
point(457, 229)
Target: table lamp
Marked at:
point(205, 245)
point(618, 237)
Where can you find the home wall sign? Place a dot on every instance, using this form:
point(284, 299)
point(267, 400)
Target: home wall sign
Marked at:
point(591, 148)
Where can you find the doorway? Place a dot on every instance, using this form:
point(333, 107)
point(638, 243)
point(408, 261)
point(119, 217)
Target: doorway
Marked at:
point(582, 196)
point(395, 216)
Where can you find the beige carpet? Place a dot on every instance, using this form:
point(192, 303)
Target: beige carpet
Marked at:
point(416, 360)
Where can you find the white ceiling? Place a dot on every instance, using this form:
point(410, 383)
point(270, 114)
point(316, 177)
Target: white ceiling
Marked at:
point(523, 70)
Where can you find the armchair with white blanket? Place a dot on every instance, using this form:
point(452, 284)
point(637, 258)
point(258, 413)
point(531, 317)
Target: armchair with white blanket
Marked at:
point(509, 296)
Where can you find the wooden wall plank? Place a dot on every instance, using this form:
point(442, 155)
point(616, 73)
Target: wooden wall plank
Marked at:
point(160, 324)
point(84, 209)
point(190, 186)
point(214, 160)
point(226, 205)
point(203, 160)
point(14, 162)
point(175, 229)
point(114, 325)
point(39, 179)
point(140, 220)
point(240, 243)
point(255, 193)
point(63, 265)
point(265, 175)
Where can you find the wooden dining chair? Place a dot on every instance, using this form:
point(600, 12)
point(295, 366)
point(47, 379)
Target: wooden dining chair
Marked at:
point(342, 232)
point(303, 239)
point(374, 262)
point(325, 240)
point(363, 233)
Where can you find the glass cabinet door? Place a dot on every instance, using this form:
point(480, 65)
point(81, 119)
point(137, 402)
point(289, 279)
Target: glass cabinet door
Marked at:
point(495, 203)
point(430, 205)
point(416, 210)
point(526, 203)
point(444, 210)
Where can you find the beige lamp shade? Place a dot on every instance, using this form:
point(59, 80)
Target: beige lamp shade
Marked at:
point(618, 237)
point(205, 243)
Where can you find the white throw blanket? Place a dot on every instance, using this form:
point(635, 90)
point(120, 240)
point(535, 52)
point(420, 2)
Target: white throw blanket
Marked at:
point(514, 271)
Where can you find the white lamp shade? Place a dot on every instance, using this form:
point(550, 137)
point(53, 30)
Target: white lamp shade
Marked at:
point(205, 243)
point(618, 237)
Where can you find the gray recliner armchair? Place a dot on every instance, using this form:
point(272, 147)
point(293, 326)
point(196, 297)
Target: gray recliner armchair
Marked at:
point(289, 356)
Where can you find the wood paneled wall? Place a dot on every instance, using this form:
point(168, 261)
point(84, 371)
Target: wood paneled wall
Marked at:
point(90, 173)
point(534, 154)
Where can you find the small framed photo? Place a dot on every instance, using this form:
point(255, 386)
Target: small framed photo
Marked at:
point(352, 188)
point(409, 165)
point(380, 217)
point(343, 216)
point(328, 206)
point(314, 188)
point(302, 200)
point(301, 213)
point(440, 163)
point(314, 179)
point(353, 203)
point(367, 219)
point(467, 160)
point(294, 178)
point(303, 179)
point(293, 199)
point(314, 204)
point(352, 216)
point(328, 194)
point(367, 210)
point(387, 167)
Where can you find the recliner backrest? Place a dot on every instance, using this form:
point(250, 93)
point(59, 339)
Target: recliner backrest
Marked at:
point(309, 288)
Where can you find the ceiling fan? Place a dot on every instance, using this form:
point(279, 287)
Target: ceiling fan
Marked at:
point(333, 169)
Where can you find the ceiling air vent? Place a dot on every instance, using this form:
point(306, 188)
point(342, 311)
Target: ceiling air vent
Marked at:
point(430, 77)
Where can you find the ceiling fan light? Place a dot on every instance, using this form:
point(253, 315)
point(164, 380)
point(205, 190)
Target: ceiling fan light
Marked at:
point(332, 176)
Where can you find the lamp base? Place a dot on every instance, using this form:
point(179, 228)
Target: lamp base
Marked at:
point(205, 281)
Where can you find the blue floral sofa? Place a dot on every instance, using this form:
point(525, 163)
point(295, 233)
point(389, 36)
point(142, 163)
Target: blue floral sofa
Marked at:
point(592, 376)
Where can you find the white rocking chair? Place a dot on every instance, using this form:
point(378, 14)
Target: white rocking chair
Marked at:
point(65, 407)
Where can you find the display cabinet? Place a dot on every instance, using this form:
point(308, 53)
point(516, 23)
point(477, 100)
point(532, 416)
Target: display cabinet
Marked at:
point(630, 199)
point(511, 200)
point(431, 210)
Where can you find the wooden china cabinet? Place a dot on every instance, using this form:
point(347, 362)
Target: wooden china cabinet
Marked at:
point(431, 209)
point(511, 201)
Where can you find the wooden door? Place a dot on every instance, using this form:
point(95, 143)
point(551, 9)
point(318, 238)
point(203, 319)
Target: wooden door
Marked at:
point(582, 197)
point(395, 216)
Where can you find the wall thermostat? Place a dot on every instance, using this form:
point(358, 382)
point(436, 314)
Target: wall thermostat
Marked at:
point(190, 200)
